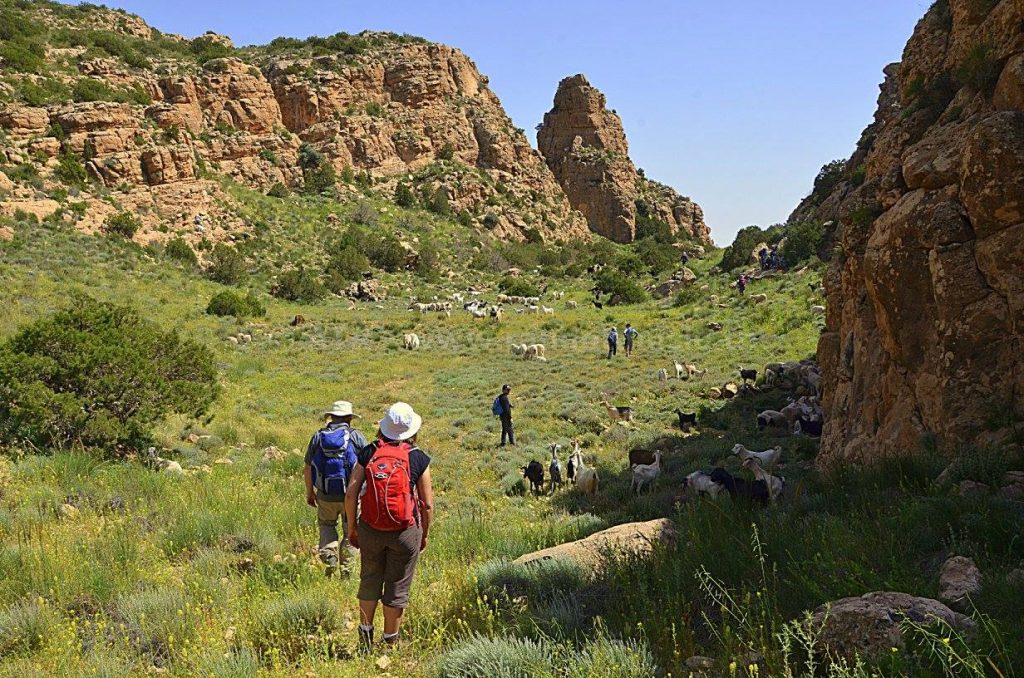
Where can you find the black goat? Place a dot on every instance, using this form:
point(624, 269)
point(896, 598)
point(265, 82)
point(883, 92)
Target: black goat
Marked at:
point(807, 427)
point(748, 375)
point(741, 489)
point(686, 420)
point(570, 470)
point(534, 472)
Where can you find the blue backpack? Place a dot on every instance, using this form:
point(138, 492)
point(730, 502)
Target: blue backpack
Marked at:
point(333, 460)
point(497, 409)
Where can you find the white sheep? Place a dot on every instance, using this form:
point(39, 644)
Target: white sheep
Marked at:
point(663, 374)
point(679, 370)
point(700, 484)
point(519, 350)
point(232, 340)
point(547, 310)
point(644, 475)
point(773, 419)
point(572, 304)
point(411, 342)
point(535, 352)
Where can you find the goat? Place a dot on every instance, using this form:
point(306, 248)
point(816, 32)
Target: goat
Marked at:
point(807, 427)
point(534, 472)
point(571, 304)
point(555, 468)
point(663, 374)
point(586, 477)
point(747, 375)
point(547, 310)
point(598, 305)
point(496, 313)
point(818, 309)
point(768, 457)
point(639, 457)
point(644, 475)
point(741, 489)
point(770, 377)
point(759, 298)
point(411, 342)
point(772, 418)
point(773, 484)
point(615, 412)
point(691, 370)
point(701, 483)
point(679, 370)
point(686, 420)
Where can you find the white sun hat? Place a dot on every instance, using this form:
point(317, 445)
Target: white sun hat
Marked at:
point(341, 408)
point(400, 422)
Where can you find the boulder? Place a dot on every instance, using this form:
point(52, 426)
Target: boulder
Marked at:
point(591, 553)
point(870, 625)
point(679, 280)
point(730, 390)
point(959, 579)
point(5, 183)
point(1013, 485)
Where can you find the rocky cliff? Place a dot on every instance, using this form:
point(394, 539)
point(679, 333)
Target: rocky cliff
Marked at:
point(153, 118)
point(585, 146)
point(923, 342)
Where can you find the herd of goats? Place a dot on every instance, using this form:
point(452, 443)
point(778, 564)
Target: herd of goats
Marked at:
point(800, 416)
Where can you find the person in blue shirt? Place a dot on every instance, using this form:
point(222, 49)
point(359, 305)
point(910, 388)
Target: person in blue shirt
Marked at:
point(630, 335)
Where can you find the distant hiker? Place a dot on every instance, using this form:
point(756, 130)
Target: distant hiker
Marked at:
point(741, 283)
point(330, 456)
point(630, 335)
point(685, 257)
point(613, 342)
point(395, 513)
point(763, 258)
point(502, 408)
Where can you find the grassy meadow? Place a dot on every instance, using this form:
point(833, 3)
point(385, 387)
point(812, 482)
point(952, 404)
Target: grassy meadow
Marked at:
point(215, 573)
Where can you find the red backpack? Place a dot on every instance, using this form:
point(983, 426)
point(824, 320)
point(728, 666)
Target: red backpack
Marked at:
point(388, 503)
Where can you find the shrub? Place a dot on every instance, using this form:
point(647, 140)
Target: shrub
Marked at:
point(365, 214)
point(429, 259)
point(738, 254)
point(231, 303)
point(268, 155)
point(318, 174)
point(154, 620)
point(374, 109)
point(345, 266)
point(504, 657)
point(802, 241)
point(71, 171)
point(207, 49)
point(24, 56)
point(657, 255)
point(100, 375)
point(178, 250)
point(299, 284)
point(447, 151)
point(630, 263)
point(518, 287)
point(828, 178)
point(540, 581)
point(90, 89)
point(490, 220)
point(404, 196)
point(286, 625)
point(622, 289)
point(227, 265)
point(124, 224)
point(279, 190)
point(980, 69)
point(439, 203)
point(24, 628)
point(607, 657)
point(387, 253)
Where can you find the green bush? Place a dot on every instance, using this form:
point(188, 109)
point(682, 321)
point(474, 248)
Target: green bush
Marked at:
point(387, 253)
point(537, 582)
point(447, 152)
point(24, 628)
point(42, 91)
point(268, 155)
point(206, 49)
point(101, 376)
point(630, 263)
point(738, 254)
point(299, 284)
point(178, 250)
point(980, 69)
point(518, 287)
point(503, 657)
point(23, 56)
point(802, 241)
point(657, 255)
point(345, 266)
point(231, 303)
point(622, 289)
point(124, 224)
point(279, 190)
point(828, 178)
point(227, 265)
point(317, 173)
point(404, 196)
point(91, 89)
point(429, 259)
point(71, 171)
point(365, 215)
point(286, 625)
point(439, 203)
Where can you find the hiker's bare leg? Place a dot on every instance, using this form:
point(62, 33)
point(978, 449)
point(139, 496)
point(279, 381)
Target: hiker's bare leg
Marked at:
point(392, 618)
point(367, 609)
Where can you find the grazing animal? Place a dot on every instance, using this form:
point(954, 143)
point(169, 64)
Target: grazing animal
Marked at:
point(519, 350)
point(772, 418)
point(232, 340)
point(759, 298)
point(773, 484)
point(767, 458)
point(598, 304)
point(547, 310)
point(298, 320)
point(555, 468)
point(615, 412)
point(691, 370)
point(571, 304)
point(411, 342)
point(807, 427)
point(770, 377)
point(496, 313)
point(663, 374)
point(570, 469)
point(534, 472)
point(741, 489)
point(701, 484)
point(818, 309)
point(644, 475)
point(748, 375)
point(679, 370)
point(638, 456)
point(535, 352)
point(686, 420)
point(479, 313)
point(586, 477)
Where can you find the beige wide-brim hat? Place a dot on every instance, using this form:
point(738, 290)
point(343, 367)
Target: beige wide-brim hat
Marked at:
point(341, 408)
point(400, 422)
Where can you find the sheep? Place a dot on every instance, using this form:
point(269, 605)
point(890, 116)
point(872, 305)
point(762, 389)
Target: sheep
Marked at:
point(759, 298)
point(662, 374)
point(232, 340)
point(535, 352)
point(701, 484)
point(807, 427)
point(168, 466)
point(586, 477)
point(770, 377)
point(747, 375)
point(547, 310)
point(617, 413)
point(767, 458)
point(411, 342)
point(555, 468)
point(457, 297)
point(773, 484)
point(639, 457)
point(519, 350)
point(572, 304)
point(686, 420)
point(772, 418)
point(818, 309)
point(534, 472)
point(645, 475)
point(496, 313)
point(244, 338)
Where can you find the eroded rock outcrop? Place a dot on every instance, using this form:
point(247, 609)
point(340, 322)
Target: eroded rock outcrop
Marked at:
point(926, 291)
point(585, 146)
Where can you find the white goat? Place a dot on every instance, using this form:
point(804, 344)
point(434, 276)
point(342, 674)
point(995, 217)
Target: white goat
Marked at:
point(586, 477)
point(547, 310)
point(644, 475)
point(767, 458)
point(411, 342)
point(699, 483)
point(775, 484)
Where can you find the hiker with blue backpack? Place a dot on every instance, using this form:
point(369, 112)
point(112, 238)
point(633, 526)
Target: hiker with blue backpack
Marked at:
point(330, 456)
point(502, 408)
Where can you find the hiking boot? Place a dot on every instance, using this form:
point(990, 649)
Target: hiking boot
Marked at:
point(393, 641)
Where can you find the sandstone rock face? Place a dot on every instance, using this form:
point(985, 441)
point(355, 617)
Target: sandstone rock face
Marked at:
point(926, 301)
point(869, 625)
point(959, 579)
point(585, 146)
point(629, 538)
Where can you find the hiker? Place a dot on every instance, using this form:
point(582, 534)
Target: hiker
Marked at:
point(330, 456)
point(685, 257)
point(630, 335)
point(741, 283)
point(613, 343)
point(395, 513)
point(763, 258)
point(502, 407)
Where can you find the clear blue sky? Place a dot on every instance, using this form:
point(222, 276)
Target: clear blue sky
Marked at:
point(735, 104)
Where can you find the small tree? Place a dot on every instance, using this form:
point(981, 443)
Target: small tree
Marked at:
point(300, 284)
point(622, 289)
point(802, 241)
point(227, 265)
point(439, 203)
point(71, 171)
point(279, 190)
point(179, 250)
point(231, 303)
point(345, 266)
point(404, 196)
point(124, 224)
point(101, 376)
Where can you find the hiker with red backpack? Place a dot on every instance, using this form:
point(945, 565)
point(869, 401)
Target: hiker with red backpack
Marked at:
point(391, 483)
point(330, 456)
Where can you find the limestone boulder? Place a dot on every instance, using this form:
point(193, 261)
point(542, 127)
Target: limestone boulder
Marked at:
point(959, 579)
point(593, 552)
point(24, 120)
